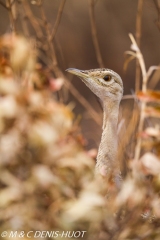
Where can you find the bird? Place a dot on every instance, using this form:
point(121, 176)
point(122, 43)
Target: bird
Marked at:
point(107, 85)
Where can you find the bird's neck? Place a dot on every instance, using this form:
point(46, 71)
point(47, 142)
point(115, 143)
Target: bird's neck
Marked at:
point(106, 158)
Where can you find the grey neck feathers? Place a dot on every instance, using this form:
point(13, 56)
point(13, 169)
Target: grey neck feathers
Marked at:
point(106, 158)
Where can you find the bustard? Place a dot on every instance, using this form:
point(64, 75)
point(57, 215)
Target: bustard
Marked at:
point(108, 86)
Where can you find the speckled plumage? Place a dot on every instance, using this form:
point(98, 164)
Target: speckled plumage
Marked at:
point(110, 93)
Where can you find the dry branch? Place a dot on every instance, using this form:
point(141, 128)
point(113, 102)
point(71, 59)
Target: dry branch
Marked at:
point(94, 34)
point(129, 96)
point(138, 40)
point(9, 5)
point(58, 19)
point(31, 18)
point(136, 52)
point(157, 6)
point(58, 72)
point(4, 5)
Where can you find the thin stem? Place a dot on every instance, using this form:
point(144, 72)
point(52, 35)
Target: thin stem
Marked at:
point(138, 40)
point(13, 2)
point(144, 88)
point(94, 34)
point(35, 24)
point(12, 20)
point(154, 81)
point(142, 113)
point(157, 6)
point(51, 51)
point(59, 73)
point(139, 56)
point(139, 22)
point(4, 5)
point(150, 71)
point(58, 19)
point(83, 101)
point(23, 18)
point(128, 97)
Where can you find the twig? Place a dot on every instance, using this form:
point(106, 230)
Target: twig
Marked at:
point(150, 71)
point(13, 2)
point(51, 51)
point(146, 76)
point(58, 19)
point(139, 56)
point(128, 97)
point(35, 24)
point(59, 73)
point(138, 40)
point(153, 82)
point(94, 33)
point(10, 9)
point(158, 11)
point(83, 101)
point(74, 92)
point(4, 5)
point(23, 18)
point(139, 22)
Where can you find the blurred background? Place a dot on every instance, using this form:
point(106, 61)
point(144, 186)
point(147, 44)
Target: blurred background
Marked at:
point(47, 179)
point(74, 46)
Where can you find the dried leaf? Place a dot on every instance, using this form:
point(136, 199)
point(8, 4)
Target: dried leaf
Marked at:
point(8, 87)
point(56, 84)
point(8, 107)
point(42, 133)
point(21, 53)
point(79, 161)
point(149, 96)
point(84, 207)
point(129, 194)
point(10, 194)
point(134, 47)
point(127, 61)
point(150, 163)
point(44, 175)
point(153, 132)
point(153, 112)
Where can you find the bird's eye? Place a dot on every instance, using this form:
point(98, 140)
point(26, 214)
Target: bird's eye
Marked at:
point(107, 78)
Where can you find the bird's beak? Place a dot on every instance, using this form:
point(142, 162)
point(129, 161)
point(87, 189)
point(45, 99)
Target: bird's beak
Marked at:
point(77, 72)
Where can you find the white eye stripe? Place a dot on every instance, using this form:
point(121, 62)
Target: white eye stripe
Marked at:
point(100, 81)
point(104, 83)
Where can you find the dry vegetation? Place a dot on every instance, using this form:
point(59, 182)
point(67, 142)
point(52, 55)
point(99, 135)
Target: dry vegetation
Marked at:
point(47, 179)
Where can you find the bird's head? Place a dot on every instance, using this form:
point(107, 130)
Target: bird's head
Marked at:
point(103, 82)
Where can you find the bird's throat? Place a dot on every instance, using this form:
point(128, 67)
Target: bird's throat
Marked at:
point(106, 158)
